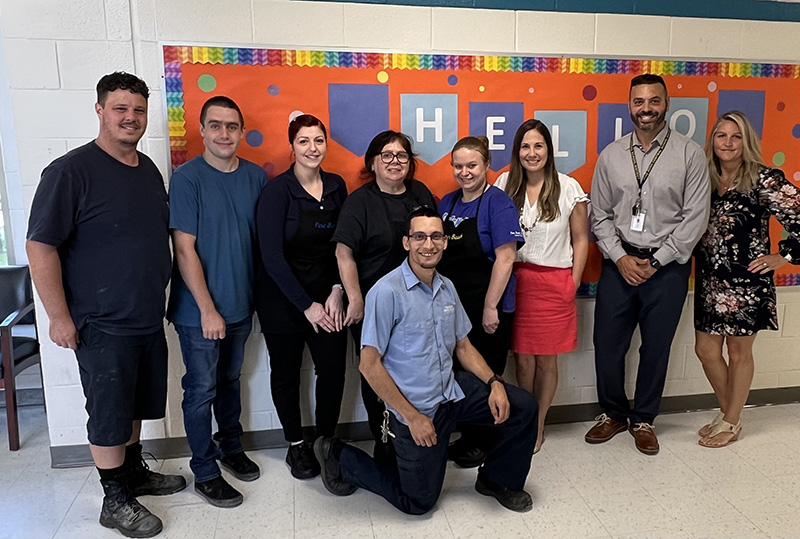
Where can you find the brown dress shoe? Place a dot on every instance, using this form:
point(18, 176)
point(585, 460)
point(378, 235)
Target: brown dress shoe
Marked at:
point(605, 429)
point(645, 438)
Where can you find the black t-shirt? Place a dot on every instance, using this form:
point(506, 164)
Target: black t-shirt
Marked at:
point(365, 227)
point(109, 222)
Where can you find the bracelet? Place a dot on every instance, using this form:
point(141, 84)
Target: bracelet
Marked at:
point(340, 287)
point(495, 378)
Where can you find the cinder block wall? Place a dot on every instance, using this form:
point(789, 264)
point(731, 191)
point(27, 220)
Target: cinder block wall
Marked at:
point(55, 51)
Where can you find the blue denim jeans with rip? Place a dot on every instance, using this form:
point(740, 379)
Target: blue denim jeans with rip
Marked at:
point(211, 381)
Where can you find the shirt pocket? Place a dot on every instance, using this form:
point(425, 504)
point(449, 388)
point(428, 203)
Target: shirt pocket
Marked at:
point(418, 338)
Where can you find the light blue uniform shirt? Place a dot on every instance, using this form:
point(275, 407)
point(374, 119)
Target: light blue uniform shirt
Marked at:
point(415, 329)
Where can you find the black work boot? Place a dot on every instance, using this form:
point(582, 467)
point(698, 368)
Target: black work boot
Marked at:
point(143, 481)
point(121, 511)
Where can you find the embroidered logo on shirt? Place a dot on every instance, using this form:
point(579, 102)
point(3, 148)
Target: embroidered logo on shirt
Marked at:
point(449, 308)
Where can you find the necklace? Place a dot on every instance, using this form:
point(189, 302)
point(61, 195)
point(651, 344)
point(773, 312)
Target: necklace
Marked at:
point(525, 228)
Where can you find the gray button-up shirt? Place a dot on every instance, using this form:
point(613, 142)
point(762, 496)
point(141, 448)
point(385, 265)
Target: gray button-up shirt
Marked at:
point(675, 197)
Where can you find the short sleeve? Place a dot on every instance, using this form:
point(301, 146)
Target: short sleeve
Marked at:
point(183, 204)
point(573, 192)
point(463, 325)
point(503, 221)
point(55, 207)
point(378, 318)
point(350, 229)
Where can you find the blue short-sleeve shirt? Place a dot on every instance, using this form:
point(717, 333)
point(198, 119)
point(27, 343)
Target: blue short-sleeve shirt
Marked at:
point(416, 329)
point(219, 208)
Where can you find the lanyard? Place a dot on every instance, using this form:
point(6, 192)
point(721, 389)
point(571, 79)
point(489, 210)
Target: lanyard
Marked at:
point(639, 179)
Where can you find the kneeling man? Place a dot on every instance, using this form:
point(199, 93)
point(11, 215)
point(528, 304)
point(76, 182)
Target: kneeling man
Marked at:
point(413, 323)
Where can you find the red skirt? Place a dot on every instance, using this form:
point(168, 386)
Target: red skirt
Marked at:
point(546, 318)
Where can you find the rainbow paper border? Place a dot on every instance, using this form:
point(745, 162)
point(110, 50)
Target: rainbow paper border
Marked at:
point(176, 55)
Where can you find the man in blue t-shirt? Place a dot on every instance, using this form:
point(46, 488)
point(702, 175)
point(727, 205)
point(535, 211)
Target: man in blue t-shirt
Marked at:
point(212, 218)
point(413, 323)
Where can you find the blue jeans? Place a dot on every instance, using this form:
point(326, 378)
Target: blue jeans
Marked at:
point(414, 482)
point(212, 379)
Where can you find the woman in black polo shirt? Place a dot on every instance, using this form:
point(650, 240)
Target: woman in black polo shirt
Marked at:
point(369, 237)
point(299, 296)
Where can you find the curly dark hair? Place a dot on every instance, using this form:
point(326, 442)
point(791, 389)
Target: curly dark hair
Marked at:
point(119, 80)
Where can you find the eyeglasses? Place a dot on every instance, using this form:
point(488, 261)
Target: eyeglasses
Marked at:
point(388, 157)
point(421, 236)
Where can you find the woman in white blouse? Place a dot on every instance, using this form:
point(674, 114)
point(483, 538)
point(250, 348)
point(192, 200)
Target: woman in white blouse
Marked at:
point(553, 216)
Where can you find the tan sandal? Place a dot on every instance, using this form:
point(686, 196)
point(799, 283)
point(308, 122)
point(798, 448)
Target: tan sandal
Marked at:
point(705, 430)
point(722, 428)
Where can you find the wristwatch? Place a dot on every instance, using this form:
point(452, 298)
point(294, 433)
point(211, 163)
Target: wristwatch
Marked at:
point(655, 263)
point(785, 254)
point(495, 378)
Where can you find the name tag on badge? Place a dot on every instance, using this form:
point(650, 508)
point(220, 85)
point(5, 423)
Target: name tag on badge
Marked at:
point(637, 221)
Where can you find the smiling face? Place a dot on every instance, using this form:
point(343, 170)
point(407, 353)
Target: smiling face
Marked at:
point(469, 170)
point(123, 118)
point(648, 106)
point(394, 172)
point(222, 132)
point(728, 143)
point(309, 147)
point(533, 152)
point(424, 254)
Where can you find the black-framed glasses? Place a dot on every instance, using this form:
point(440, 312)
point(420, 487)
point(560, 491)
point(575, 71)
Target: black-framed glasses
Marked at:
point(421, 236)
point(388, 157)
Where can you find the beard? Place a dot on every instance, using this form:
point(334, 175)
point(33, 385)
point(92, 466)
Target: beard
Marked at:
point(658, 120)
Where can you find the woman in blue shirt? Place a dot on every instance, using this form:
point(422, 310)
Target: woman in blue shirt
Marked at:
point(299, 296)
point(484, 234)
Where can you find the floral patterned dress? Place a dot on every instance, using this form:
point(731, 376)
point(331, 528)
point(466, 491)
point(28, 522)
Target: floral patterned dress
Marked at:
point(729, 299)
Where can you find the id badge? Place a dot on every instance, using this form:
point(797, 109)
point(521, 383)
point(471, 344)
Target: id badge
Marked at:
point(637, 221)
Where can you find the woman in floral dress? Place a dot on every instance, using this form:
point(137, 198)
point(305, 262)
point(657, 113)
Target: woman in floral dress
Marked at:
point(735, 293)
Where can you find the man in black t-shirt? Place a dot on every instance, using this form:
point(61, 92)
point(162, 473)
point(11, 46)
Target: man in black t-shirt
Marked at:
point(98, 246)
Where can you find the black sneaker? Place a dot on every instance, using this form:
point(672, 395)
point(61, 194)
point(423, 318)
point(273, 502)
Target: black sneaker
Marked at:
point(241, 466)
point(218, 492)
point(121, 511)
point(516, 500)
point(465, 455)
point(331, 475)
point(144, 482)
point(301, 461)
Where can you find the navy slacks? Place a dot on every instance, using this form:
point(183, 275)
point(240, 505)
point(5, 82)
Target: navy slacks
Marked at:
point(656, 306)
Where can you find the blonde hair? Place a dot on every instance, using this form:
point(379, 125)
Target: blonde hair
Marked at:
point(548, 209)
point(752, 160)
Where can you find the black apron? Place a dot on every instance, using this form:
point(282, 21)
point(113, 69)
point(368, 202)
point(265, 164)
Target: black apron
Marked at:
point(316, 274)
point(465, 263)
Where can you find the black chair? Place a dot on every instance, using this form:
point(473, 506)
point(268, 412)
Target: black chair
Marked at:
point(16, 353)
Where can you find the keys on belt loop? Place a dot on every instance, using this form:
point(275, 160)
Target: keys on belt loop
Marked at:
point(385, 432)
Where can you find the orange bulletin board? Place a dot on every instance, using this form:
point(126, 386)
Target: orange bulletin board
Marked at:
point(437, 99)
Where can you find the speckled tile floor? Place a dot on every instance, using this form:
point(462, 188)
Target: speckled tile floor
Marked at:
point(748, 490)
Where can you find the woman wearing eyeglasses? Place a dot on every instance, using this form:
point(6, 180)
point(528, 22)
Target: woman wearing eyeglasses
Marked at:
point(299, 295)
point(369, 238)
point(484, 235)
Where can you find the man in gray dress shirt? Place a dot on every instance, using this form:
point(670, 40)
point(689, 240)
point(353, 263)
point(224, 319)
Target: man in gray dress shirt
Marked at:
point(650, 204)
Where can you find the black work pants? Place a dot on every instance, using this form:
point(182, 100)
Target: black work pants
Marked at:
point(328, 352)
